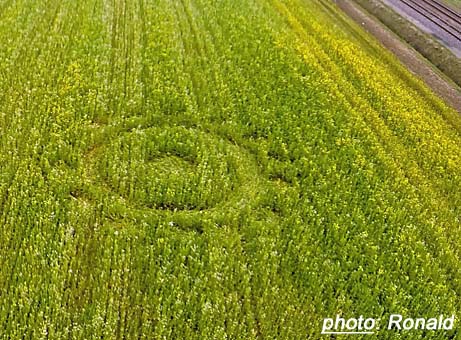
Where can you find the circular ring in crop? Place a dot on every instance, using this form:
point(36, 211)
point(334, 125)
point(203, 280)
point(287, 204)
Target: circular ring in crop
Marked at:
point(182, 174)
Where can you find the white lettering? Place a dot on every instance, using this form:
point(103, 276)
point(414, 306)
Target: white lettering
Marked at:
point(431, 324)
point(394, 320)
point(327, 325)
point(340, 325)
point(360, 321)
point(339, 320)
point(408, 324)
point(351, 324)
point(448, 323)
point(369, 324)
point(420, 323)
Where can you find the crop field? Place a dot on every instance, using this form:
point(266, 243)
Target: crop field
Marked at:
point(204, 169)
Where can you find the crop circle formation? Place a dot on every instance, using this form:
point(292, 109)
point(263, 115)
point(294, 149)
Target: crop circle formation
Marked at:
point(175, 170)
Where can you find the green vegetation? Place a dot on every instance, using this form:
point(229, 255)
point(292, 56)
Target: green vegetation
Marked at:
point(217, 170)
point(455, 3)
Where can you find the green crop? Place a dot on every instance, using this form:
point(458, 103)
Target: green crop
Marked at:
point(217, 170)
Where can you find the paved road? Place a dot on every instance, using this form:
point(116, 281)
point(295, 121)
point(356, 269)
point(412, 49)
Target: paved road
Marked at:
point(407, 55)
point(428, 18)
